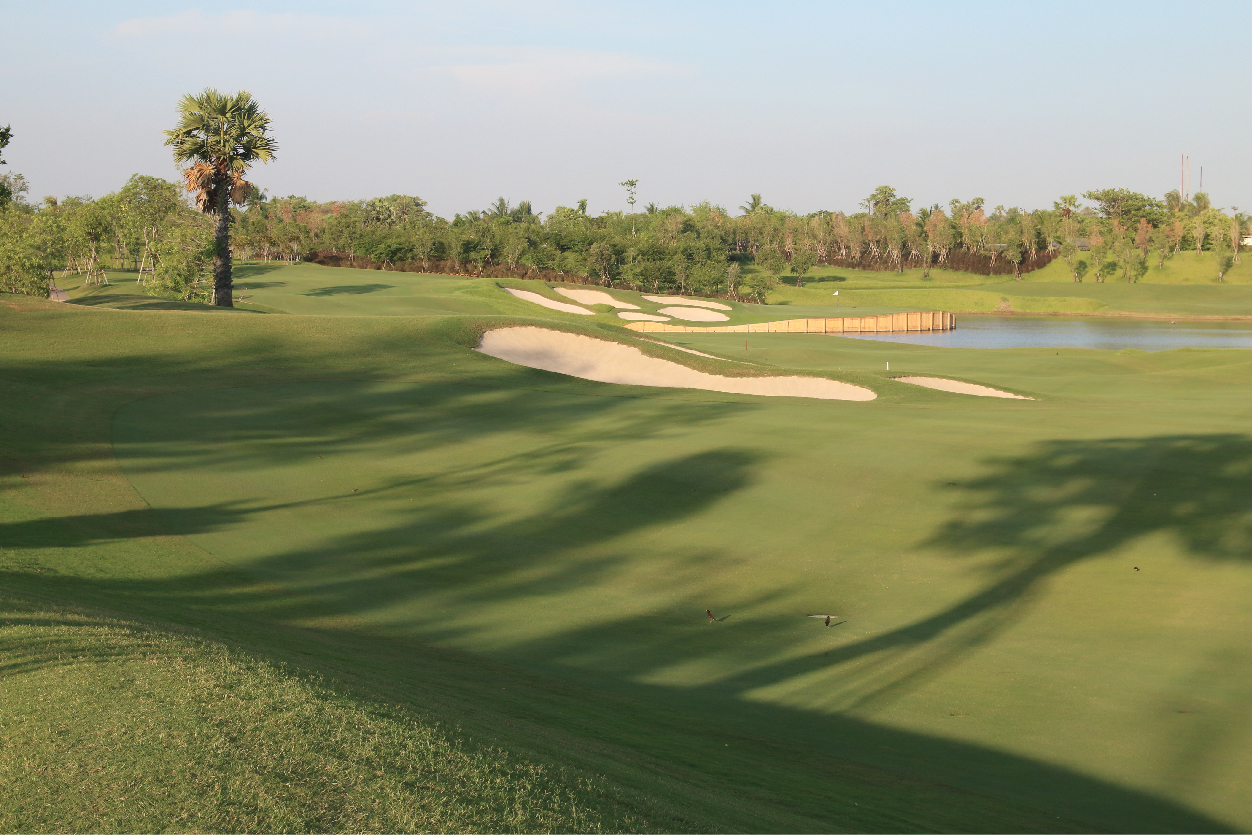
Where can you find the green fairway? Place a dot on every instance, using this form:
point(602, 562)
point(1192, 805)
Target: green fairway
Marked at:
point(446, 540)
point(1106, 299)
point(312, 289)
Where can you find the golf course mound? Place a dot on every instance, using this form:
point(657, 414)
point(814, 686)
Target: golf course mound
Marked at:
point(958, 387)
point(612, 362)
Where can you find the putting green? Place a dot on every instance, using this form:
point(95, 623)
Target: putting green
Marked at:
point(980, 553)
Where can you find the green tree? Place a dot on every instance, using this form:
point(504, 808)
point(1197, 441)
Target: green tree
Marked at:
point(184, 258)
point(802, 260)
point(884, 202)
point(1127, 207)
point(219, 136)
point(13, 189)
point(600, 259)
point(32, 245)
point(1129, 257)
point(87, 226)
point(771, 260)
point(143, 206)
point(1162, 243)
point(754, 203)
point(1097, 250)
point(1013, 253)
point(732, 279)
point(631, 186)
point(6, 190)
point(1069, 251)
point(1067, 206)
point(1222, 255)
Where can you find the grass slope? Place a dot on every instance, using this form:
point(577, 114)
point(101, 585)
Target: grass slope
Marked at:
point(525, 558)
point(116, 725)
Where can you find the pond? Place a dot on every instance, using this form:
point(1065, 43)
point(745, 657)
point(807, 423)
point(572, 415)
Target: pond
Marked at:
point(1085, 332)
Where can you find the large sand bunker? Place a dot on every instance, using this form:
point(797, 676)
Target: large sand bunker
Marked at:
point(694, 314)
point(594, 297)
point(642, 317)
point(544, 301)
point(957, 387)
point(684, 300)
point(612, 362)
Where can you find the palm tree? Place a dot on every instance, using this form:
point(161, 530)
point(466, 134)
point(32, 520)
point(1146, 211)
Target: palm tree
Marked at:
point(754, 203)
point(501, 208)
point(218, 137)
point(1067, 205)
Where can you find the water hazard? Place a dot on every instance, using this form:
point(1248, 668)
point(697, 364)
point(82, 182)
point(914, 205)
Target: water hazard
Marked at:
point(1060, 332)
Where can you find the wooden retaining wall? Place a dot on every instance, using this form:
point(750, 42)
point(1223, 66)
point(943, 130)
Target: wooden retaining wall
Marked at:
point(926, 320)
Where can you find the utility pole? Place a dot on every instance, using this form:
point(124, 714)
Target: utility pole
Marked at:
point(1187, 179)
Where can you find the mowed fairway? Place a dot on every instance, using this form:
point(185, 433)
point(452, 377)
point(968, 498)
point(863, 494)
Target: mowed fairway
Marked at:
point(368, 493)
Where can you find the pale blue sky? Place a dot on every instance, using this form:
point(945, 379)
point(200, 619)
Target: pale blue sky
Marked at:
point(810, 104)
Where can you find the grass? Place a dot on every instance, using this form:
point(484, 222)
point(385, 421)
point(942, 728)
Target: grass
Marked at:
point(311, 289)
point(114, 725)
point(489, 558)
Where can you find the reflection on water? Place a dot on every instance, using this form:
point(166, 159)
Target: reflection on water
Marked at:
point(1059, 332)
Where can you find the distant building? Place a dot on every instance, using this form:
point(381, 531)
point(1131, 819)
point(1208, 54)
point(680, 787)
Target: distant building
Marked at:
point(1246, 240)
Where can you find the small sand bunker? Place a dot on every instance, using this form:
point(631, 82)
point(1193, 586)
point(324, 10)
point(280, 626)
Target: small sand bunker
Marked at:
point(612, 362)
point(594, 297)
point(687, 301)
point(526, 295)
point(643, 317)
point(694, 314)
point(957, 387)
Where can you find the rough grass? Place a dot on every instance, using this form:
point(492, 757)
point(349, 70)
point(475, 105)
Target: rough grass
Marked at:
point(113, 725)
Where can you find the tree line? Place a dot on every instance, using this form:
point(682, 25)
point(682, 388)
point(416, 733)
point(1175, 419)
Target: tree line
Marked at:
point(174, 235)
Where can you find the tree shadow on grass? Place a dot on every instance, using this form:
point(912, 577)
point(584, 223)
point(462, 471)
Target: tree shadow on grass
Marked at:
point(348, 290)
point(1065, 502)
point(1018, 511)
point(1036, 515)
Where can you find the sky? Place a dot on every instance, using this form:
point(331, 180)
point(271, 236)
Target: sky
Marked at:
point(812, 105)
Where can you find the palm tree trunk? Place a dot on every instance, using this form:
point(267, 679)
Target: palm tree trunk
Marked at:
point(223, 287)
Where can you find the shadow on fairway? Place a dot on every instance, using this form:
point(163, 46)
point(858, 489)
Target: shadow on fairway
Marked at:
point(248, 271)
point(258, 285)
point(1199, 488)
point(132, 301)
point(1023, 511)
point(1016, 512)
point(349, 290)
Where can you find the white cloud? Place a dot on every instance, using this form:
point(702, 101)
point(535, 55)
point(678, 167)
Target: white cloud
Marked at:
point(239, 24)
point(535, 71)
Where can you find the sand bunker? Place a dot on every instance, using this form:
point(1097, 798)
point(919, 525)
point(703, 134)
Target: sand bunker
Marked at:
point(957, 387)
point(687, 301)
point(694, 314)
point(612, 362)
point(697, 353)
point(594, 297)
point(643, 317)
point(526, 295)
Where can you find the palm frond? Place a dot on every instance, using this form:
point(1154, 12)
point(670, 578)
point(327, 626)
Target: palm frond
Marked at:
point(219, 136)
